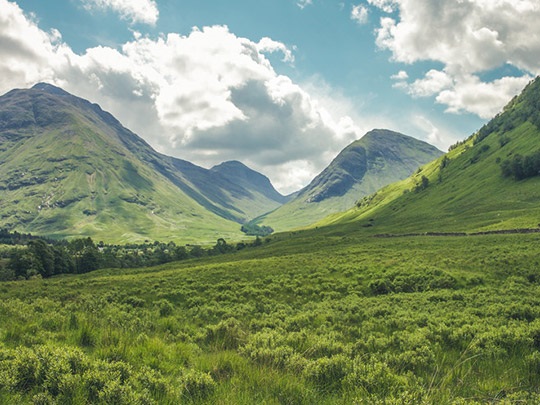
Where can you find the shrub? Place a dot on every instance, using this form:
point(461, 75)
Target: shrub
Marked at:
point(327, 373)
point(197, 385)
point(165, 307)
point(226, 335)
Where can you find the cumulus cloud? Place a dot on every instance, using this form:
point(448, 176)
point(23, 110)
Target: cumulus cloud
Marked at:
point(360, 14)
point(135, 11)
point(468, 37)
point(483, 99)
point(431, 84)
point(206, 97)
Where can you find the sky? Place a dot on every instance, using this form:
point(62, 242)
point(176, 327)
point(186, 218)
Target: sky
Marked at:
point(280, 85)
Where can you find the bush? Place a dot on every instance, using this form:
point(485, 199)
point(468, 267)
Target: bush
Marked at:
point(226, 335)
point(165, 307)
point(327, 373)
point(197, 385)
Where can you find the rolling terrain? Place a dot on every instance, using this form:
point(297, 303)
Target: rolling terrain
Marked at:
point(379, 158)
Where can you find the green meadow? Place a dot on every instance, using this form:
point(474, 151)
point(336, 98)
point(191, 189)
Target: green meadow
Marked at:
point(318, 317)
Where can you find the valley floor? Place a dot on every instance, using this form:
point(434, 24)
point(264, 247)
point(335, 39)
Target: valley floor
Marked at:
point(305, 319)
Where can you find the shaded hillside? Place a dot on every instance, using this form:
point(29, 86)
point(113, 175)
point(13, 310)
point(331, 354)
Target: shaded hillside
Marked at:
point(380, 157)
point(263, 197)
point(470, 187)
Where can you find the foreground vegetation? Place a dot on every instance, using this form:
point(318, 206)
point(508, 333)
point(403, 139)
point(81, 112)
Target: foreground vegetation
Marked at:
point(310, 318)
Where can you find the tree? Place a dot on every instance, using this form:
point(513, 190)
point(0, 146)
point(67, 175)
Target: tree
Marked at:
point(63, 262)
point(424, 183)
point(86, 254)
point(222, 247)
point(24, 264)
point(44, 254)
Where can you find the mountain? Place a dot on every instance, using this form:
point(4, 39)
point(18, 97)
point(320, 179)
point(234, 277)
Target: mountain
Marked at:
point(490, 181)
point(239, 173)
point(380, 157)
point(68, 168)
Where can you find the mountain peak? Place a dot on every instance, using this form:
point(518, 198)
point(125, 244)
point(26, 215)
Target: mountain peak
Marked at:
point(233, 164)
point(241, 174)
point(49, 88)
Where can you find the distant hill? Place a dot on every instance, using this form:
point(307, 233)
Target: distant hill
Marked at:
point(490, 181)
point(68, 168)
point(242, 175)
point(380, 157)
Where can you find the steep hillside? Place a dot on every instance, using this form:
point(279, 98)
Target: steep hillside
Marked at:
point(380, 157)
point(488, 182)
point(68, 168)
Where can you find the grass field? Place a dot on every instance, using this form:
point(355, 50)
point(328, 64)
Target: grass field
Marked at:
point(309, 318)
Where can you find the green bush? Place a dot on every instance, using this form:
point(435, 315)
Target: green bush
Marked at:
point(196, 384)
point(327, 373)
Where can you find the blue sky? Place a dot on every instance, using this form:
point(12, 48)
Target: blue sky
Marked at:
point(280, 85)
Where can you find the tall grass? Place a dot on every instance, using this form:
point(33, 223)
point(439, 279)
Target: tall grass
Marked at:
point(301, 320)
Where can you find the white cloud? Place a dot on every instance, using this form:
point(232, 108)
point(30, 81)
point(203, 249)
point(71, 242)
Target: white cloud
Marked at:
point(433, 83)
point(135, 11)
point(304, 3)
point(482, 99)
point(468, 37)
point(385, 5)
point(360, 14)
point(269, 45)
point(206, 97)
point(401, 75)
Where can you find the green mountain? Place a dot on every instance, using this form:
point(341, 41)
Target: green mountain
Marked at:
point(380, 157)
point(68, 168)
point(488, 182)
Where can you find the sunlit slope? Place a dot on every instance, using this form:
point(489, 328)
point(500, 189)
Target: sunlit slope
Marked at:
point(68, 169)
point(466, 189)
point(380, 157)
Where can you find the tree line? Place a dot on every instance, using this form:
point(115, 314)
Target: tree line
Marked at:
point(34, 256)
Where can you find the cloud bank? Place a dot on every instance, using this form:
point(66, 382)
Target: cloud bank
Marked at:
point(467, 37)
point(206, 97)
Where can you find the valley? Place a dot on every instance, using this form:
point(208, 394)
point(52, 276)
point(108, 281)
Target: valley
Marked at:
point(425, 292)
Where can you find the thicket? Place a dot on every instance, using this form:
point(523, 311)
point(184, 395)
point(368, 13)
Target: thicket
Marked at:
point(253, 229)
point(522, 167)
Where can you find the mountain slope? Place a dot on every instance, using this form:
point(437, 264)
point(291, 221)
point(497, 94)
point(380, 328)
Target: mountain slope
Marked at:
point(240, 174)
point(263, 196)
point(68, 168)
point(466, 189)
point(380, 157)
